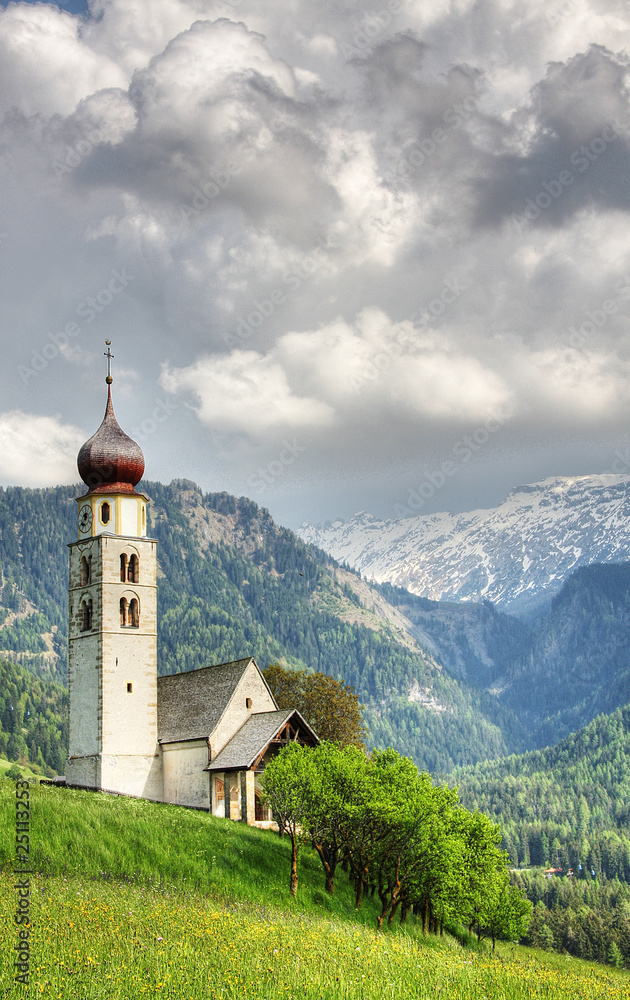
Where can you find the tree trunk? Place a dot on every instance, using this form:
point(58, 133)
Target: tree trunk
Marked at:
point(385, 897)
point(393, 912)
point(329, 862)
point(293, 882)
point(404, 910)
point(425, 915)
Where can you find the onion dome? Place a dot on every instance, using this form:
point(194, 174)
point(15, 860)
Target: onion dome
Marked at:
point(111, 461)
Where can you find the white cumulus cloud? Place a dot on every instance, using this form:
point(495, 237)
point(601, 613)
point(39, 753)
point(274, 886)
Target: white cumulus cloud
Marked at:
point(37, 451)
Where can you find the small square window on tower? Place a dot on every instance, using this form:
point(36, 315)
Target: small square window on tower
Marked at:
point(248, 703)
point(129, 687)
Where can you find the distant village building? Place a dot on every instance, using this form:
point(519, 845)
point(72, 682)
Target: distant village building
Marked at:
point(199, 738)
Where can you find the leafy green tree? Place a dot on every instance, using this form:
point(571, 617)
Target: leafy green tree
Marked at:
point(332, 797)
point(287, 784)
point(484, 867)
point(508, 912)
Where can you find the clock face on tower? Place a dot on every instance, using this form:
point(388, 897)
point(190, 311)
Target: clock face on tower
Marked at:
point(85, 517)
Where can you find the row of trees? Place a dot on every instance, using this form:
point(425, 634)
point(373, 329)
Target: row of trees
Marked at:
point(397, 835)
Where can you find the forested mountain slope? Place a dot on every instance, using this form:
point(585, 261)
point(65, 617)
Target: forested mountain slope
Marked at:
point(232, 583)
point(557, 674)
point(33, 718)
point(568, 804)
point(474, 642)
point(578, 665)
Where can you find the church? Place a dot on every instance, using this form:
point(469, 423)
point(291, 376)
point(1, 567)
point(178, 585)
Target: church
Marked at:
point(200, 738)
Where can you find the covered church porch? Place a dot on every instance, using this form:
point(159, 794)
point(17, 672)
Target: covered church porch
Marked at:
point(235, 790)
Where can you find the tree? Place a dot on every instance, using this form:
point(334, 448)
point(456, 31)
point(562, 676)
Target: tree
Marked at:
point(485, 868)
point(508, 913)
point(330, 810)
point(330, 707)
point(287, 784)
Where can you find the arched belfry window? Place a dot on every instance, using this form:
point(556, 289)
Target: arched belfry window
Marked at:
point(134, 613)
point(86, 614)
point(129, 568)
point(86, 571)
point(105, 512)
point(129, 611)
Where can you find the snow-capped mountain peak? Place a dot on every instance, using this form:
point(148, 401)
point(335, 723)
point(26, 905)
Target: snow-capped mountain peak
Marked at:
point(516, 555)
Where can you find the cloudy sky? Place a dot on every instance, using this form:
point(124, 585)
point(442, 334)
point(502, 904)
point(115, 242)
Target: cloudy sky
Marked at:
point(349, 254)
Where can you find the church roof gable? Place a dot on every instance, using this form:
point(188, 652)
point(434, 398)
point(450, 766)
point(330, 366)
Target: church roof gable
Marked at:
point(191, 704)
point(254, 736)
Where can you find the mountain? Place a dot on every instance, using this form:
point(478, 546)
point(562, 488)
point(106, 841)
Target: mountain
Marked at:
point(474, 642)
point(556, 675)
point(233, 583)
point(448, 684)
point(33, 718)
point(578, 664)
point(568, 804)
point(516, 555)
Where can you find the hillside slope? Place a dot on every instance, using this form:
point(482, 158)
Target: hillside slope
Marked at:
point(516, 555)
point(557, 674)
point(568, 804)
point(132, 897)
point(578, 664)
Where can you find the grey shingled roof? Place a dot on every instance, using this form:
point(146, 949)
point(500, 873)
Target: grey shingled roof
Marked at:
point(252, 738)
point(191, 704)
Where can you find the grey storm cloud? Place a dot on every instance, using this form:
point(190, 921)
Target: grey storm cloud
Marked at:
point(576, 153)
point(362, 232)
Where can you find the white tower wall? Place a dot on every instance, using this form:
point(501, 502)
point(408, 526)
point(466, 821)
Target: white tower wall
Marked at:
point(113, 669)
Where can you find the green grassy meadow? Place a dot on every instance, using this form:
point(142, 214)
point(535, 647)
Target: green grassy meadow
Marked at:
point(134, 899)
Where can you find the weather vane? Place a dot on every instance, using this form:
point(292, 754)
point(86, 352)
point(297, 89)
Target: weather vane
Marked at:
point(108, 354)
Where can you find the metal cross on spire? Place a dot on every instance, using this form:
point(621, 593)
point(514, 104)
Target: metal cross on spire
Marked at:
point(108, 354)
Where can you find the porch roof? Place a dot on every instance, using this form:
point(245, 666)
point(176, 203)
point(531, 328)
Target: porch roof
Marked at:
point(254, 736)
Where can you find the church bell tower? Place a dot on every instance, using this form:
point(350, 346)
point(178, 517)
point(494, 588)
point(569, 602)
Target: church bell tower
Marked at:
point(112, 657)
